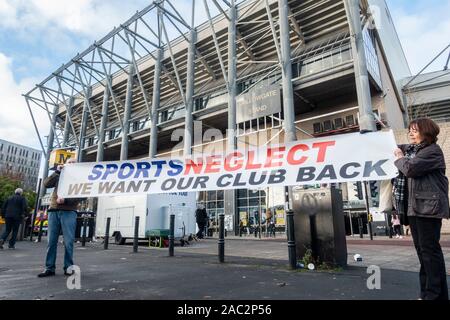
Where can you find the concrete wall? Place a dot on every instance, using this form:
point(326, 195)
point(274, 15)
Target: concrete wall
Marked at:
point(444, 142)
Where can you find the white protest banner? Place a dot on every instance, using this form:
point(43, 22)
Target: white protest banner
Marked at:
point(341, 158)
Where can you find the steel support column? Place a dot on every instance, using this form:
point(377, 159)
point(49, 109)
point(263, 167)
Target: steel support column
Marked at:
point(67, 123)
point(288, 108)
point(189, 118)
point(230, 196)
point(103, 125)
point(127, 113)
point(366, 117)
point(50, 141)
point(155, 105)
point(84, 123)
point(288, 90)
point(232, 71)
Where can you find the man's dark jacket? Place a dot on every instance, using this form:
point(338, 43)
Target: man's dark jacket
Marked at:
point(427, 183)
point(15, 207)
point(201, 216)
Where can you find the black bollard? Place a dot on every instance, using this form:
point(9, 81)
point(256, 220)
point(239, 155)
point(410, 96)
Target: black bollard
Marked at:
point(172, 235)
point(360, 225)
point(83, 237)
point(291, 239)
point(389, 225)
point(222, 238)
point(36, 209)
point(369, 225)
point(136, 235)
point(41, 225)
point(106, 242)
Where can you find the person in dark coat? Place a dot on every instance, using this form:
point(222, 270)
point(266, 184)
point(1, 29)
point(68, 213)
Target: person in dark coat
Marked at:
point(423, 187)
point(14, 211)
point(201, 216)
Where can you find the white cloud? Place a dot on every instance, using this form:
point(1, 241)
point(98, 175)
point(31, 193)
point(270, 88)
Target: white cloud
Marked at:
point(424, 35)
point(15, 120)
point(54, 25)
point(90, 18)
point(8, 13)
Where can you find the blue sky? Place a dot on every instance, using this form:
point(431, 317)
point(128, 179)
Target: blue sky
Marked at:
point(37, 36)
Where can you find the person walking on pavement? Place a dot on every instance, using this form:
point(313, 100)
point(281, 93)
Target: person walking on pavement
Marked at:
point(62, 216)
point(14, 211)
point(201, 216)
point(397, 226)
point(423, 188)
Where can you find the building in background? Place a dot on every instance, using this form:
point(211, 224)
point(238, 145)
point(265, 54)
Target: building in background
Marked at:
point(428, 95)
point(21, 162)
point(333, 67)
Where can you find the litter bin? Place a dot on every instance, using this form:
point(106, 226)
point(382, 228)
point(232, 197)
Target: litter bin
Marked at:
point(21, 232)
point(2, 228)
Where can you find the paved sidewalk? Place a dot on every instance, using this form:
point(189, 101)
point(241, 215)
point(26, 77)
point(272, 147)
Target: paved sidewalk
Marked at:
point(377, 240)
point(396, 255)
point(253, 270)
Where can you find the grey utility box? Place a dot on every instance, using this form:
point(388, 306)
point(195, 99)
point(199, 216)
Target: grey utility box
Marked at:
point(319, 225)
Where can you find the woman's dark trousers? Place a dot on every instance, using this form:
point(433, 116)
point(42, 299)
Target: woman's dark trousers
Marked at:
point(426, 234)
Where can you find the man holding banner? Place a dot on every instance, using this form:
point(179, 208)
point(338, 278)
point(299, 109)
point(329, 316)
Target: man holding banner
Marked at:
point(62, 216)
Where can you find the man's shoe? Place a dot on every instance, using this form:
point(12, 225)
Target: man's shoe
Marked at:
point(46, 273)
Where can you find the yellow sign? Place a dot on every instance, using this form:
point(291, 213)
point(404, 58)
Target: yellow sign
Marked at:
point(60, 156)
point(243, 216)
point(2, 221)
point(280, 217)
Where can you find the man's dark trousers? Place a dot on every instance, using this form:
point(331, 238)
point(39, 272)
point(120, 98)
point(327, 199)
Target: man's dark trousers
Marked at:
point(13, 225)
point(201, 229)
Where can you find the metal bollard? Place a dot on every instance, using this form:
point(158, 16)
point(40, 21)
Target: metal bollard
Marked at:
point(221, 238)
point(33, 219)
point(36, 209)
point(136, 235)
point(41, 225)
point(291, 240)
point(360, 225)
point(172, 235)
point(83, 237)
point(370, 230)
point(106, 242)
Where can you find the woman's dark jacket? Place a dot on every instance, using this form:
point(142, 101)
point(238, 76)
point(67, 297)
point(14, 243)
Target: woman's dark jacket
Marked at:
point(427, 183)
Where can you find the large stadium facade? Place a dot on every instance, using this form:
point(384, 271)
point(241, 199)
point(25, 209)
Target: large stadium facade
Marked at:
point(333, 64)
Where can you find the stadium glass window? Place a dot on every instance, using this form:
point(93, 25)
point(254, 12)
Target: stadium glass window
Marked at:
point(214, 202)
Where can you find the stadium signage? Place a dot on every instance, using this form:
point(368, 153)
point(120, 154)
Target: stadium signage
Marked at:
point(258, 103)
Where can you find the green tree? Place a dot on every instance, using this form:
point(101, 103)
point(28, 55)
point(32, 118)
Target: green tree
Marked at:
point(31, 199)
point(8, 184)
